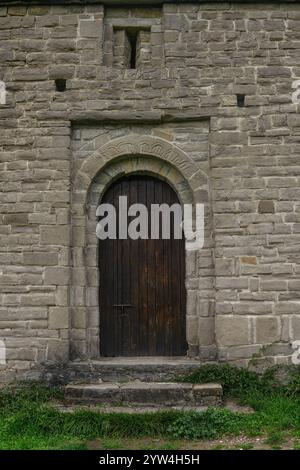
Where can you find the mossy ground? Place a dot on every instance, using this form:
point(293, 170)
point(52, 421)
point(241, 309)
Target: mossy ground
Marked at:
point(29, 422)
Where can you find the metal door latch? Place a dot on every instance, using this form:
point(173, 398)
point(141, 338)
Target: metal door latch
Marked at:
point(123, 307)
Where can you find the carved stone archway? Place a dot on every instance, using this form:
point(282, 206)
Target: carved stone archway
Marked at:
point(144, 155)
point(143, 145)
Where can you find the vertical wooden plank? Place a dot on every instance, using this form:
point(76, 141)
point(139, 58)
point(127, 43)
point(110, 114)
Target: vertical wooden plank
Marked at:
point(159, 283)
point(152, 272)
point(134, 312)
point(143, 269)
point(125, 284)
point(170, 307)
point(112, 254)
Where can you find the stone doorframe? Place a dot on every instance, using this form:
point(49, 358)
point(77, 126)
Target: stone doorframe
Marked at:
point(159, 158)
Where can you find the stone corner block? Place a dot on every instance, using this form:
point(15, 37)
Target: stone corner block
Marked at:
point(58, 351)
point(232, 330)
point(58, 318)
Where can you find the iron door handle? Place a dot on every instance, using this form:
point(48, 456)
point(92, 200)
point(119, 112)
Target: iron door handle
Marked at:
point(123, 307)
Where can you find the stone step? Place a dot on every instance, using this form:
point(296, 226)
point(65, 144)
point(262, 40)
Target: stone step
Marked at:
point(120, 369)
point(165, 394)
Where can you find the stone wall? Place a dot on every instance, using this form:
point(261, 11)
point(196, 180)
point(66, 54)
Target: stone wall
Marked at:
point(230, 65)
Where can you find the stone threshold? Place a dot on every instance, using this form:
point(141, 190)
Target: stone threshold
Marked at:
point(140, 361)
point(116, 369)
point(125, 369)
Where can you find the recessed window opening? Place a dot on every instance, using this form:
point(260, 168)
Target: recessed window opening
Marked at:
point(240, 100)
point(133, 39)
point(60, 84)
point(130, 45)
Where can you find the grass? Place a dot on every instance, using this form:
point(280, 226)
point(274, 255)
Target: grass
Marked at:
point(244, 447)
point(109, 444)
point(275, 439)
point(28, 422)
point(242, 383)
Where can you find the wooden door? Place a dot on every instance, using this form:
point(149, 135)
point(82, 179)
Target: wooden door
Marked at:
point(142, 294)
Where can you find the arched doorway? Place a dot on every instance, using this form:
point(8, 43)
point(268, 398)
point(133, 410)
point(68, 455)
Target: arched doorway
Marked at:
point(142, 295)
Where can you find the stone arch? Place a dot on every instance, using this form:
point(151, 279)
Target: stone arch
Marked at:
point(129, 165)
point(142, 146)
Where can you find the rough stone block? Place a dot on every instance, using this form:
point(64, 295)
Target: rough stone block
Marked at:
point(40, 259)
point(192, 330)
point(58, 351)
point(206, 331)
point(90, 28)
point(208, 394)
point(224, 267)
point(232, 330)
point(37, 299)
point(296, 327)
point(16, 219)
point(39, 10)
point(55, 235)
point(252, 260)
point(267, 330)
point(274, 284)
point(57, 276)
point(266, 207)
point(17, 10)
point(58, 318)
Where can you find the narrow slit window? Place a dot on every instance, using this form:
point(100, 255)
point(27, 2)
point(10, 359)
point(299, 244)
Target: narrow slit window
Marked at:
point(240, 100)
point(60, 84)
point(131, 47)
point(133, 52)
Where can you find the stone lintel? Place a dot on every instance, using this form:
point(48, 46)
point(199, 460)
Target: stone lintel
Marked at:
point(89, 117)
point(148, 117)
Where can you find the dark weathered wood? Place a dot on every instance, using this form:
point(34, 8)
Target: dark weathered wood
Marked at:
point(142, 282)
